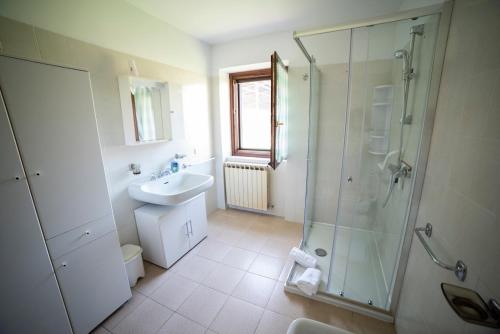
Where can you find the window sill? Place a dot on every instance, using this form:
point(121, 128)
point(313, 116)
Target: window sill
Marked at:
point(253, 160)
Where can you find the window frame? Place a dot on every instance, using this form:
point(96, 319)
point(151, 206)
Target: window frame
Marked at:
point(234, 79)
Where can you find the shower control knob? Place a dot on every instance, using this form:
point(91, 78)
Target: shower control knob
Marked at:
point(349, 179)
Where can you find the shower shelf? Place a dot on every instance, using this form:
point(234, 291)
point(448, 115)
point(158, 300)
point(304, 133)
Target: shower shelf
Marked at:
point(378, 144)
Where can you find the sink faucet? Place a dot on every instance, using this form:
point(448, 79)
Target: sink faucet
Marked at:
point(180, 156)
point(160, 174)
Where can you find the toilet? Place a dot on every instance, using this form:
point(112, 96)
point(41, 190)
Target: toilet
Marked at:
point(132, 256)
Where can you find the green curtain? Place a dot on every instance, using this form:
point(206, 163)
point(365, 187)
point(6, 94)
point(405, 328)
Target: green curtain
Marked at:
point(144, 114)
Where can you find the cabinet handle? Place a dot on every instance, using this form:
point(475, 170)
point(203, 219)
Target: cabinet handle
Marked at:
point(187, 229)
point(191, 225)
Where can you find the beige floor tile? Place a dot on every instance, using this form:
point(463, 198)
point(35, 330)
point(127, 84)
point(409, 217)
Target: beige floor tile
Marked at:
point(288, 304)
point(203, 305)
point(286, 270)
point(261, 227)
point(295, 306)
point(154, 277)
point(273, 323)
point(174, 291)
point(255, 289)
point(330, 314)
point(197, 268)
point(278, 247)
point(213, 230)
point(212, 249)
point(124, 310)
point(241, 221)
point(178, 324)
point(267, 266)
point(147, 318)
point(229, 236)
point(237, 316)
point(366, 325)
point(285, 229)
point(252, 241)
point(224, 278)
point(239, 258)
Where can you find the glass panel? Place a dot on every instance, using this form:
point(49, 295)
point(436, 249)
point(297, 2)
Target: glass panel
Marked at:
point(376, 184)
point(314, 80)
point(327, 108)
point(279, 111)
point(255, 113)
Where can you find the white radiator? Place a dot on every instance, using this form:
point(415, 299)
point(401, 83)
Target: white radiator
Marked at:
point(246, 185)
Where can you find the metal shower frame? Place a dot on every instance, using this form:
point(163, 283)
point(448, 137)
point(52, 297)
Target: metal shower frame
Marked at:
point(445, 11)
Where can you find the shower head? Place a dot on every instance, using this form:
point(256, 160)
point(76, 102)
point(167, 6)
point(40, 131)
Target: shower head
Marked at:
point(403, 54)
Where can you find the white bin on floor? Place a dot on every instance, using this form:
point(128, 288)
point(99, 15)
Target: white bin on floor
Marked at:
point(132, 256)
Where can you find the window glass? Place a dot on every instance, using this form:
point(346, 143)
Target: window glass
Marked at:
point(255, 114)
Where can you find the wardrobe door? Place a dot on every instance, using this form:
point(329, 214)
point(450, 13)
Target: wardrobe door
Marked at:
point(93, 282)
point(30, 299)
point(52, 114)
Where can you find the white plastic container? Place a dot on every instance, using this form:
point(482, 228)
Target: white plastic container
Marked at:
point(132, 256)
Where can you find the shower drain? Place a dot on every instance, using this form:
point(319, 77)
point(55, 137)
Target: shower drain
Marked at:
point(320, 252)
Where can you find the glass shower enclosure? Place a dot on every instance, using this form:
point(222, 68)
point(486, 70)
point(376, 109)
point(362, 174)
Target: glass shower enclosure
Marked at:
point(370, 120)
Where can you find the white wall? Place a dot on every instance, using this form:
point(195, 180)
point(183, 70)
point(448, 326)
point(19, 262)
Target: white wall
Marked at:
point(288, 181)
point(461, 194)
point(113, 24)
point(105, 66)
point(331, 53)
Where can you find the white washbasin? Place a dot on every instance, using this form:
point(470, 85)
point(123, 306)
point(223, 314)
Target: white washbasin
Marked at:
point(308, 326)
point(172, 189)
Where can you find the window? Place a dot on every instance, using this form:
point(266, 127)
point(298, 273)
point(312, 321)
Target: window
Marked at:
point(251, 113)
point(259, 112)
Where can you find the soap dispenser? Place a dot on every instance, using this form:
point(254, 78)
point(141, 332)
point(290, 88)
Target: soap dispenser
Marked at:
point(174, 166)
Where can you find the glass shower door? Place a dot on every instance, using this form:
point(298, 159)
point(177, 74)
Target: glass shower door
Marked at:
point(312, 147)
point(375, 192)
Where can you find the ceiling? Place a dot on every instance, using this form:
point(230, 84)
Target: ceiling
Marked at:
point(219, 21)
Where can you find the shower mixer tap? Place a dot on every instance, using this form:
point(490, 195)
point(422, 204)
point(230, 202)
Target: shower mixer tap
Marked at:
point(403, 170)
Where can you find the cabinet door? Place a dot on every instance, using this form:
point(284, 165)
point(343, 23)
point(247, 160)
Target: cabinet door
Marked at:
point(174, 234)
point(197, 216)
point(30, 298)
point(52, 114)
point(93, 282)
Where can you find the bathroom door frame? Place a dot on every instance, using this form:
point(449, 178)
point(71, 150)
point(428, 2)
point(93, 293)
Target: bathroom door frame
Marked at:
point(445, 11)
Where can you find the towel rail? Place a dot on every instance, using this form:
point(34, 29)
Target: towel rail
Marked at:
point(460, 269)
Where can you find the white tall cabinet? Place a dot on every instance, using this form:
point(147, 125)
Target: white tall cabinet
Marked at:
point(53, 187)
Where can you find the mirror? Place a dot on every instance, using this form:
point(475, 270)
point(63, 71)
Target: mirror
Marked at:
point(145, 110)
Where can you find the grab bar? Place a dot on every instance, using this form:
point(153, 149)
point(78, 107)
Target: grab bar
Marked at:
point(459, 268)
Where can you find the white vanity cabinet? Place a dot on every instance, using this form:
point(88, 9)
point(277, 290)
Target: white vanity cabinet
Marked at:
point(169, 232)
point(51, 116)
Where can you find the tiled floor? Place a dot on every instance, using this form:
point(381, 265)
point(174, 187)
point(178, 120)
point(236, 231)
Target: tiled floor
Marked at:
point(231, 283)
